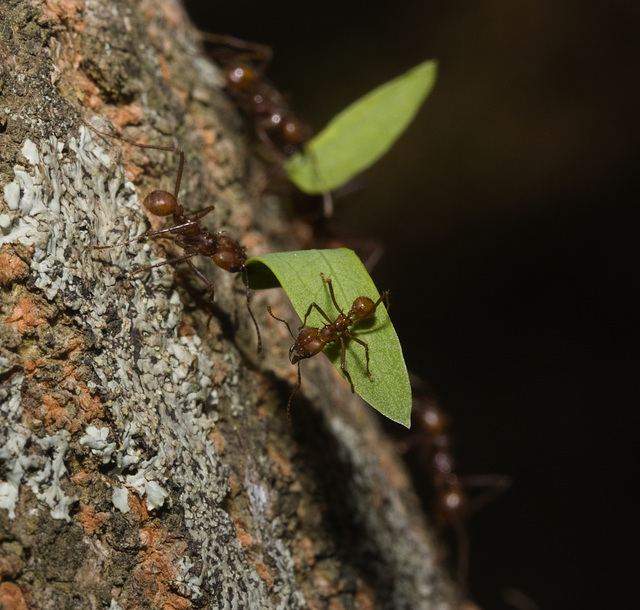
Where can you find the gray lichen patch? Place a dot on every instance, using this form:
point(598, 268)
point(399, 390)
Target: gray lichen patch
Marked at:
point(154, 440)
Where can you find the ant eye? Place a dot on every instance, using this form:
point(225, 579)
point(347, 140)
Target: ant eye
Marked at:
point(275, 119)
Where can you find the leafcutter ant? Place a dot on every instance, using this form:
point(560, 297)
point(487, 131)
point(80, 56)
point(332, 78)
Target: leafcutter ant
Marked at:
point(278, 128)
point(453, 505)
point(311, 341)
point(244, 64)
point(187, 233)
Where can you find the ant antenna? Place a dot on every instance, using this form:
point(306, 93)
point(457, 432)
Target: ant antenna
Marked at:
point(299, 377)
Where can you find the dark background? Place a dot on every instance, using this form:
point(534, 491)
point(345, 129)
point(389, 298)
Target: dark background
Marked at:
point(509, 214)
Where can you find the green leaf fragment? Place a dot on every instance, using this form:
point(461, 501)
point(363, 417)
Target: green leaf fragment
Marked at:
point(299, 274)
point(362, 133)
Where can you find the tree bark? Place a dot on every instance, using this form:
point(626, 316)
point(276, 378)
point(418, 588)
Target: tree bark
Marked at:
point(147, 460)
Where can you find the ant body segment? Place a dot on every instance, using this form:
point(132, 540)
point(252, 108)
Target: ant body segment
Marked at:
point(187, 233)
point(453, 505)
point(311, 341)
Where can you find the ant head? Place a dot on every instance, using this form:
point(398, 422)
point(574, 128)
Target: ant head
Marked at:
point(229, 254)
point(240, 78)
point(308, 343)
point(293, 132)
point(160, 203)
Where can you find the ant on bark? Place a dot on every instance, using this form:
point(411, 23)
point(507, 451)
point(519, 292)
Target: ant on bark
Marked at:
point(187, 233)
point(311, 341)
point(244, 65)
point(277, 127)
point(453, 505)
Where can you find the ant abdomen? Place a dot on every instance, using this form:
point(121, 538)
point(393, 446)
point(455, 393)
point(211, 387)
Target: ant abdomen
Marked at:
point(292, 133)
point(160, 203)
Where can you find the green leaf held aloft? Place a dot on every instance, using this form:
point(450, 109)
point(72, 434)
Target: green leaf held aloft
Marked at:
point(299, 274)
point(362, 133)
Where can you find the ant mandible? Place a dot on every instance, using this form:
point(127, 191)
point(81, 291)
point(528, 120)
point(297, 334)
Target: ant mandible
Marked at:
point(194, 239)
point(311, 341)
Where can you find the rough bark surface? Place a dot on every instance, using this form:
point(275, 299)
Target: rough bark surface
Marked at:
point(146, 460)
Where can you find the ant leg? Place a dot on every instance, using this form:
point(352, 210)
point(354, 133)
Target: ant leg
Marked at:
point(201, 213)
point(189, 223)
point(327, 198)
point(170, 261)
point(293, 393)
point(299, 378)
point(343, 367)
point(366, 351)
point(463, 556)
point(320, 311)
point(383, 297)
point(281, 320)
point(209, 285)
point(150, 147)
point(333, 296)
point(327, 204)
point(275, 156)
point(124, 243)
point(255, 322)
point(204, 278)
point(495, 485)
point(253, 50)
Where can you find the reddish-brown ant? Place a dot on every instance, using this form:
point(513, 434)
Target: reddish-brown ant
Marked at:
point(244, 65)
point(194, 239)
point(311, 341)
point(277, 127)
point(453, 505)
